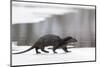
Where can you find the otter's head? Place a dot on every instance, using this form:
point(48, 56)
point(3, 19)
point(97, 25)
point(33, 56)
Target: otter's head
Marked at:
point(69, 40)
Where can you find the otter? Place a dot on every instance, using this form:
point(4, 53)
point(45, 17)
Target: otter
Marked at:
point(51, 40)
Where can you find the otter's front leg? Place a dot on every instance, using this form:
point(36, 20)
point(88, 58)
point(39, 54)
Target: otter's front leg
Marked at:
point(65, 49)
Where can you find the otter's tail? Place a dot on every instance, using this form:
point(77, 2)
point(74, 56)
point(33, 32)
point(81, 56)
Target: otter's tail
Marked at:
point(25, 50)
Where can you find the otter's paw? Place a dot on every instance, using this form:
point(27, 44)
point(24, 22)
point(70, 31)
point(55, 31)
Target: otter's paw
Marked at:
point(68, 51)
point(38, 53)
point(55, 52)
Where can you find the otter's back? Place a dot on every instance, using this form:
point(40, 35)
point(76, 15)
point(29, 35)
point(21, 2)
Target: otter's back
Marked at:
point(48, 40)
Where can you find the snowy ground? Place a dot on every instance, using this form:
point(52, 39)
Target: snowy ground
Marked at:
point(76, 54)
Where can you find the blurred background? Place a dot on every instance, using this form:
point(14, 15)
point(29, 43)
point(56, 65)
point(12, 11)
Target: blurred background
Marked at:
point(30, 21)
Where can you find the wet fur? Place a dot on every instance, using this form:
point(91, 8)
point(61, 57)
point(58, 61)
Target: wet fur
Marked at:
point(50, 40)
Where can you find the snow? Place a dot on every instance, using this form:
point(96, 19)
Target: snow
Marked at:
point(76, 54)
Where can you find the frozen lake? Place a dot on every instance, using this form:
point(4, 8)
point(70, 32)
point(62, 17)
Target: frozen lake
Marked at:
point(76, 54)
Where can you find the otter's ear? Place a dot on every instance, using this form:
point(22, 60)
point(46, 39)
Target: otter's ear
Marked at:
point(75, 40)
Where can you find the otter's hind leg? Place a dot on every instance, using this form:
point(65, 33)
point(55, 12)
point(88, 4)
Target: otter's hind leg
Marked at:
point(42, 49)
point(54, 49)
point(37, 51)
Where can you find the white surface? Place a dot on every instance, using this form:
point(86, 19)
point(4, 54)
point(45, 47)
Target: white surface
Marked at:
point(77, 54)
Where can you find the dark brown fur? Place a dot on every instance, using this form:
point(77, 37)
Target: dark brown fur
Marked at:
point(50, 40)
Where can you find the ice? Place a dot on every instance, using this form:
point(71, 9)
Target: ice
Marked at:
point(76, 54)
